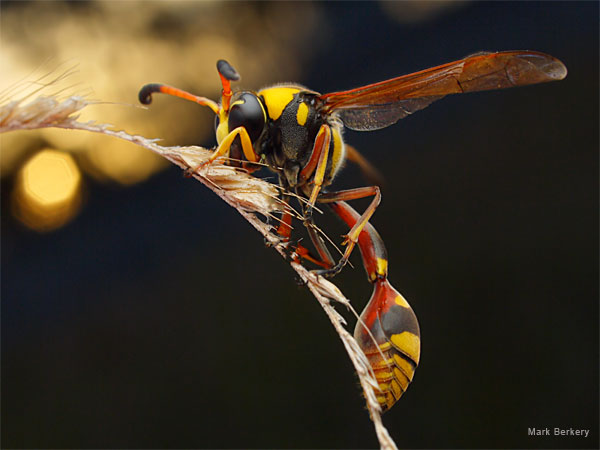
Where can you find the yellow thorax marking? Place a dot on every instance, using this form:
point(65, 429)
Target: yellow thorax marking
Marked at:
point(302, 114)
point(277, 98)
point(223, 128)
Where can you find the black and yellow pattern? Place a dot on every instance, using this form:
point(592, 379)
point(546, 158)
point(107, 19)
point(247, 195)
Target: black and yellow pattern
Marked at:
point(393, 346)
point(298, 134)
point(295, 123)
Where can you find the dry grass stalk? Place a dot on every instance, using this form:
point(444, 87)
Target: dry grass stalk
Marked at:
point(247, 194)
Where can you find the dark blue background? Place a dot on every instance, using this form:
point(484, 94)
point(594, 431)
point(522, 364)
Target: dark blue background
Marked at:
point(158, 319)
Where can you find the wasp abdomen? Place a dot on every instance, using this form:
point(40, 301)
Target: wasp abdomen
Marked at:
point(388, 330)
point(393, 346)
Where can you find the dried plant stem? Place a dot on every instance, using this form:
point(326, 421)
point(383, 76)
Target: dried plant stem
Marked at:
point(247, 194)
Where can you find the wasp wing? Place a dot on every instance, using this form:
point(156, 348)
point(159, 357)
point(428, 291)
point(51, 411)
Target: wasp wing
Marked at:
point(381, 104)
point(376, 116)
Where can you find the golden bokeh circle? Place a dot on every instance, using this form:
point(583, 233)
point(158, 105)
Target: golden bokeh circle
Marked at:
point(48, 190)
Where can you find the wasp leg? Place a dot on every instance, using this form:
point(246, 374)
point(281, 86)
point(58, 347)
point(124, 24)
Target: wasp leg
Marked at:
point(225, 146)
point(324, 255)
point(285, 227)
point(303, 253)
point(388, 332)
point(317, 165)
point(352, 237)
point(285, 230)
point(370, 244)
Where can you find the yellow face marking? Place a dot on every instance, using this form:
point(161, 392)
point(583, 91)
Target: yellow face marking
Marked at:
point(401, 301)
point(277, 98)
point(302, 114)
point(223, 128)
point(406, 368)
point(407, 343)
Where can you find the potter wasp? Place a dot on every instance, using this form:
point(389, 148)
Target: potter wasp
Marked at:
point(297, 133)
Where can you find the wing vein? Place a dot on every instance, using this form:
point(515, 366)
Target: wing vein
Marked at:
point(381, 104)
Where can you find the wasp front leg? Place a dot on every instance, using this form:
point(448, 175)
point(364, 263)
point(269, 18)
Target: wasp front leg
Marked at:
point(317, 166)
point(225, 146)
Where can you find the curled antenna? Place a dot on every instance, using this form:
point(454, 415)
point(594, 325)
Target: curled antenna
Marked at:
point(227, 74)
point(145, 95)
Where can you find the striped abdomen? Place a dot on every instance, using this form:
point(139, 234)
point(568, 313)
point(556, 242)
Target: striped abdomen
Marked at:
point(394, 347)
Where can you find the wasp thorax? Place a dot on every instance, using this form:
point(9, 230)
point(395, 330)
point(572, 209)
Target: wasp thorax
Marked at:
point(247, 111)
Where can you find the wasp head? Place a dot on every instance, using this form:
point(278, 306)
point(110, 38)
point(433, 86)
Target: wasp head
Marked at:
point(240, 109)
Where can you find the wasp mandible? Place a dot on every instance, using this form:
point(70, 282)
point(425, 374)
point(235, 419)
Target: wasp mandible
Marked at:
point(297, 133)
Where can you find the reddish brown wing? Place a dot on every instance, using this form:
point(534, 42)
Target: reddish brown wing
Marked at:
point(381, 104)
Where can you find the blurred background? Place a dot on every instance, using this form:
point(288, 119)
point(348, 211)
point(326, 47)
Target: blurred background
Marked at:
point(138, 310)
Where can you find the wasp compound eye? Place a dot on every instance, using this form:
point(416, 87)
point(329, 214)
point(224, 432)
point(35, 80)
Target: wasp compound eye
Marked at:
point(227, 71)
point(247, 112)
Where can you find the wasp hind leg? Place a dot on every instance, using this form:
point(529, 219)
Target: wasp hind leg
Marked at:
point(357, 225)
